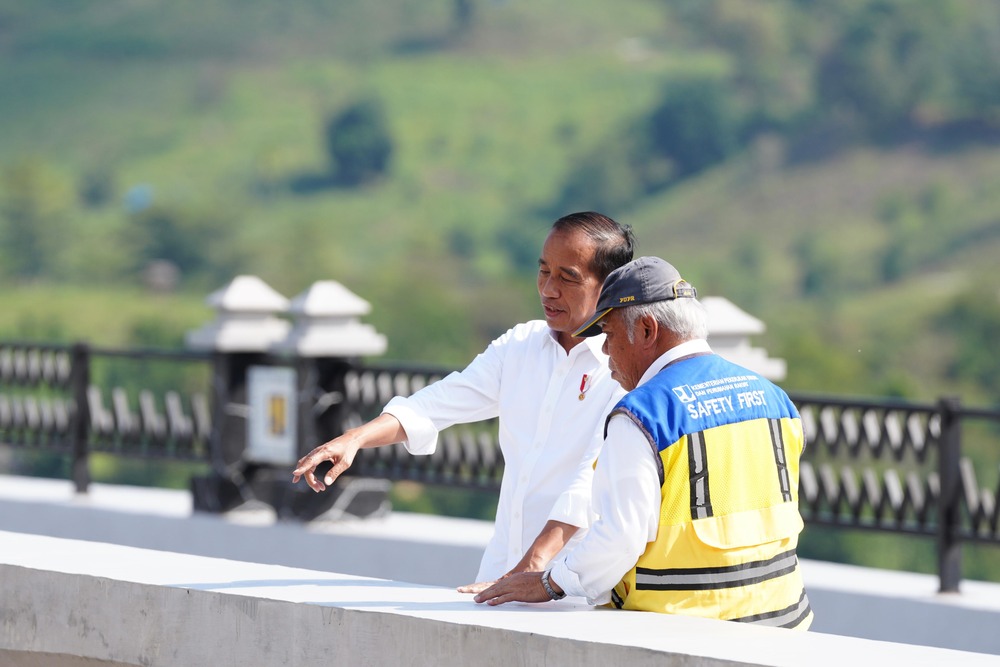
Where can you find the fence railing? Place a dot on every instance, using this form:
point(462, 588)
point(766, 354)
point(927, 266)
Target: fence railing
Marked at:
point(876, 464)
point(898, 466)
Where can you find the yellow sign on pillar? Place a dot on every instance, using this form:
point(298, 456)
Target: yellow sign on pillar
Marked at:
point(271, 423)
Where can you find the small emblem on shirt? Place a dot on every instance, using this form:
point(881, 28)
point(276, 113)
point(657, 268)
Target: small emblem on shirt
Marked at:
point(584, 386)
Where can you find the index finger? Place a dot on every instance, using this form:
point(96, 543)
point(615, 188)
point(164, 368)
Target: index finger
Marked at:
point(306, 463)
point(307, 469)
point(490, 593)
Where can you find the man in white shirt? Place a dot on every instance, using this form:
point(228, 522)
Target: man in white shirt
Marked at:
point(696, 492)
point(550, 390)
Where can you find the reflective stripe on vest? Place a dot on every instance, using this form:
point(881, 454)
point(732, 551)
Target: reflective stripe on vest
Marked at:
point(789, 617)
point(616, 599)
point(709, 578)
point(701, 504)
point(778, 443)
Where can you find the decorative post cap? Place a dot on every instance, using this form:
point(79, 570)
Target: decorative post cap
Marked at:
point(328, 298)
point(247, 294)
point(327, 325)
point(245, 318)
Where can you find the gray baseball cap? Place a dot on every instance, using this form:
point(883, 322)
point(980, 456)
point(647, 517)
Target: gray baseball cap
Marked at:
point(643, 280)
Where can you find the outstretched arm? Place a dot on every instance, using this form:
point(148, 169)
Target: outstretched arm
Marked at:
point(383, 430)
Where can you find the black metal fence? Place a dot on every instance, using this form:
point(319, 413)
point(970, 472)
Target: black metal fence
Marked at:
point(882, 464)
point(71, 400)
point(898, 466)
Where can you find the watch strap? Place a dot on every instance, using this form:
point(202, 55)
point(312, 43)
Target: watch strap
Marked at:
point(548, 587)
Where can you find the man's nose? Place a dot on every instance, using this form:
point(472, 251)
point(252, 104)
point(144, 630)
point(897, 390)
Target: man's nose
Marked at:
point(549, 287)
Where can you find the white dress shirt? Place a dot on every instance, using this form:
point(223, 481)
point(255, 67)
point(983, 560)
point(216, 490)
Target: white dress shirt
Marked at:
point(549, 436)
point(626, 502)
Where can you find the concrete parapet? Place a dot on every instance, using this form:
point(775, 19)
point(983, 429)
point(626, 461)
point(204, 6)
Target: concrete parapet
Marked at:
point(116, 605)
point(442, 551)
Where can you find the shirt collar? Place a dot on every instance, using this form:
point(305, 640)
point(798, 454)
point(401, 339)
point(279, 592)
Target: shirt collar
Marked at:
point(696, 346)
point(594, 343)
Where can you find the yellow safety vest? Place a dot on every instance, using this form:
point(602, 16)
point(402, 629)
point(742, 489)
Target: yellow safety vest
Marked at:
point(729, 519)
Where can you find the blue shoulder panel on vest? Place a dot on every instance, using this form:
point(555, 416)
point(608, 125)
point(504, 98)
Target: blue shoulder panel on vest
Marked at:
point(703, 392)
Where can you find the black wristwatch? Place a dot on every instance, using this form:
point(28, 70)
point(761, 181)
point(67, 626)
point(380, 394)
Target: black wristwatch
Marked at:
point(548, 586)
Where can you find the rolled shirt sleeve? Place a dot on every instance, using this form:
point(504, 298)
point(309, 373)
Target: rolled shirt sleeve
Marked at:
point(466, 396)
point(421, 434)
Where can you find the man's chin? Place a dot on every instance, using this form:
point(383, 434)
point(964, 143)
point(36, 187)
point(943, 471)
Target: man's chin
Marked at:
point(556, 323)
point(618, 378)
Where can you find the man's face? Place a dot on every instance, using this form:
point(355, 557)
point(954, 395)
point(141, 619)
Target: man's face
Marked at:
point(627, 362)
point(566, 285)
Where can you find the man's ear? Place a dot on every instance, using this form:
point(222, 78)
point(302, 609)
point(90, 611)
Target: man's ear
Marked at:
point(648, 329)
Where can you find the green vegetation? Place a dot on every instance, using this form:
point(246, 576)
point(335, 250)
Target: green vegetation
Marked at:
point(830, 167)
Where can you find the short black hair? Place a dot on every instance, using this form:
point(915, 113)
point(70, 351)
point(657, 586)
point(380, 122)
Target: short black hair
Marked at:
point(615, 242)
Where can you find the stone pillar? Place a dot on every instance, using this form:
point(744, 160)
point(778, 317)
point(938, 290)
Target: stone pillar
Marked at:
point(326, 340)
point(245, 328)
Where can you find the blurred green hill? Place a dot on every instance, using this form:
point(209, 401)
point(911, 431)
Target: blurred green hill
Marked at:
point(832, 168)
point(787, 155)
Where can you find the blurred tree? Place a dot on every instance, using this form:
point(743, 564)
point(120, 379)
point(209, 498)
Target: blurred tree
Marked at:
point(918, 229)
point(612, 176)
point(885, 63)
point(823, 271)
point(194, 240)
point(33, 210)
point(818, 362)
point(976, 59)
point(41, 327)
point(521, 243)
point(905, 225)
point(770, 57)
point(97, 187)
point(461, 243)
point(973, 319)
point(463, 12)
point(694, 126)
point(358, 142)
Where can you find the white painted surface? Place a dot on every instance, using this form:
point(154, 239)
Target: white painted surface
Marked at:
point(423, 549)
point(67, 597)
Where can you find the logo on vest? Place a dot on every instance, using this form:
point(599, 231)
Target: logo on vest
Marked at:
point(684, 393)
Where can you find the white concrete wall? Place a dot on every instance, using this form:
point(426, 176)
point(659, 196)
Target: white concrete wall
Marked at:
point(851, 601)
point(120, 605)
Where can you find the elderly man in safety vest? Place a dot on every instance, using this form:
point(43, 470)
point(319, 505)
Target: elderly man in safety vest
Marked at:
point(696, 490)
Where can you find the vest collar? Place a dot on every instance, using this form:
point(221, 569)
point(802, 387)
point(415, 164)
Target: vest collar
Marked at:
point(691, 348)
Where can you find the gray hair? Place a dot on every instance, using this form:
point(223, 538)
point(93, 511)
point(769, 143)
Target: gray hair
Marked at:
point(686, 318)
